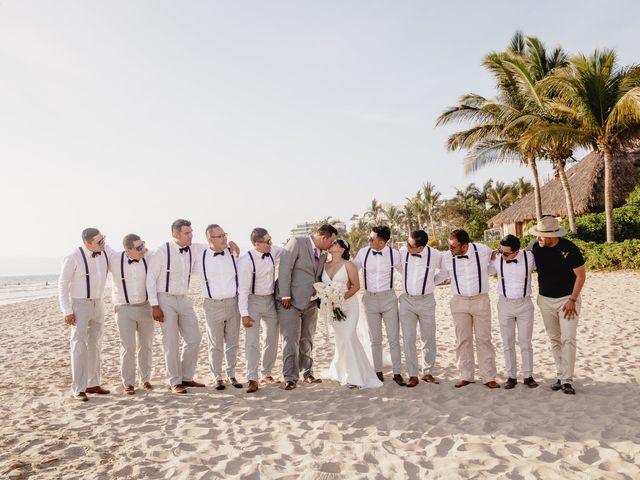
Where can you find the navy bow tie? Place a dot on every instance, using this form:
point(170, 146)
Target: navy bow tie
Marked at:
point(215, 254)
point(515, 260)
point(265, 255)
point(462, 256)
point(416, 255)
point(376, 253)
point(133, 261)
point(184, 249)
point(95, 254)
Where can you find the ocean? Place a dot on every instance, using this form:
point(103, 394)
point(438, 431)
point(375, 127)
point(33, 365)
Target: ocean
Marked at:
point(27, 287)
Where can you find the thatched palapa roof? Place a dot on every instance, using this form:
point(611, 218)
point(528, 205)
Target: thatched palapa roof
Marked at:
point(586, 179)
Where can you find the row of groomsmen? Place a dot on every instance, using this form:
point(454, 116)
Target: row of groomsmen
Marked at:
point(241, 290)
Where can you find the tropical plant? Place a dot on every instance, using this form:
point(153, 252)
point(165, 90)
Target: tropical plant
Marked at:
point(500, 195)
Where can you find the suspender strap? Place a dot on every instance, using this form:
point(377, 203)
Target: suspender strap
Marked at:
point(190, 264)
point(426, 273)
point(86, 272)
point(235, 269)
point(253, 274)
point(406, 273)
point(526, 273)
point(124, 284)
point(479, 271)
point(168, 267)
point(504, 288)
point(146, 294)
point(364, 267)
point(391, 255)
point(204, 272)
point(455, 274)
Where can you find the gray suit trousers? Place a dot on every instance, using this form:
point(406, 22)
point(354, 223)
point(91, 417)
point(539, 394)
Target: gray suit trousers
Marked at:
point(298, 328)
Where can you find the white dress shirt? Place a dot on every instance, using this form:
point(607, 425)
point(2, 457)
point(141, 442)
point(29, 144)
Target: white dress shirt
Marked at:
point(179, 274)
point(414, 268)
point(517, 275)
point(72, 282)
point(465, 279)
point(135, 279)
point(264, 275)
point(218, 272)
point(378, 267)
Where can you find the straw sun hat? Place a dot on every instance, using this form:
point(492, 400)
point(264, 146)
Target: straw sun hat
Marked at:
point(547, 227)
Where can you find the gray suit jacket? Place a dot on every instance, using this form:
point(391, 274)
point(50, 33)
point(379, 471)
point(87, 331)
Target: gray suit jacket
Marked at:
point(297, 272)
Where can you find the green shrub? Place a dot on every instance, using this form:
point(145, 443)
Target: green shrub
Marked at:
point(634, 196)
point(611, 256)
point(592, 227)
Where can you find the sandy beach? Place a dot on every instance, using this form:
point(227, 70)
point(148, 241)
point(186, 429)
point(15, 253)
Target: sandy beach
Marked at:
point(326, 431)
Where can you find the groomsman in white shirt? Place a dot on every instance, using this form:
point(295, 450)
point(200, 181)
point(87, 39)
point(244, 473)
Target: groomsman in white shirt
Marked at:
point(257, 305)
point(218, 270)
point(469, 266)
point(133, 311)
point(418, 306)
point(515, 308)
point(81, 289)
point(168, 286)
point(379, 262)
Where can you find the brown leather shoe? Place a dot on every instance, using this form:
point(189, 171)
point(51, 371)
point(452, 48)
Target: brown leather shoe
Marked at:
point(530, 382)
point(380, 376)
point(253, 386)
point(290, 385)
point(463, 383)
point(268, 380)
point(413, 381)
point(129, 390)
point(428, 378)
point(235, 382)
point(81, 397)
point(510, 383)
point(191, 383)
point(312, 379)
point(399, 380)
point(492, 384)
point(220, 385)
point(147, 386)
point(98, 389)
point(178, 389)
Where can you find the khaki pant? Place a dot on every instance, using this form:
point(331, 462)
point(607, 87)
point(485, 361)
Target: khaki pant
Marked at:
point(86, 343)
point(378, 308)
point(562, 334)
point(262, 309)
point(512, 313)
point(472, 317)
point(223, 334)
point(179, 321)
point(419, 310)
point(135, 322)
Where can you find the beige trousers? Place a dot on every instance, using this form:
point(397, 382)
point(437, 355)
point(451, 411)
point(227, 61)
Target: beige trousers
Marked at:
point(378, 308)
point(262, 309)
point(223, 334)
point(135, 322)
point(418, 310)
point(86, 343)
point(472, 317)
point(512, 313)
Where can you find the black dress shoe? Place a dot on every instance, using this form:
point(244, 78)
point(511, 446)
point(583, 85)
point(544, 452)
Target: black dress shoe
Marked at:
point(191, 383)
point(556, 386)
point(510, 383)
point(380, 376)
point(290, 385)
point(219, 385)
point(399, 380)
point(235, 382)
point(568, 389)
point(312, 379)
point(530, 382)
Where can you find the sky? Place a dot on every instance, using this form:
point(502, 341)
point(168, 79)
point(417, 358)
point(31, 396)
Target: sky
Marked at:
point(127, 115)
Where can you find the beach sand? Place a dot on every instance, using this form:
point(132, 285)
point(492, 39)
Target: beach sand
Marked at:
point(326, 431)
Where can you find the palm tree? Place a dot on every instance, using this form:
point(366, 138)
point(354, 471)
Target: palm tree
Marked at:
point(521, 187)
point(357, 236)
point(375, 212)
point(417, 209)
point(500, 195)
point(599, 103)
point(431, 198)
point(395, 218)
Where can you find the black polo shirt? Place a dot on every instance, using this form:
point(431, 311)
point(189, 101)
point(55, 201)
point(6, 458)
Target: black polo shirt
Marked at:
point(555, 267)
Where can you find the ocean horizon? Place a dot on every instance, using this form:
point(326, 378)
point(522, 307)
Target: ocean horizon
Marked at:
point(22, 288)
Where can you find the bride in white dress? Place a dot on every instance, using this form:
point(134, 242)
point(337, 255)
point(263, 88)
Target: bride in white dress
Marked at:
point(350, 365)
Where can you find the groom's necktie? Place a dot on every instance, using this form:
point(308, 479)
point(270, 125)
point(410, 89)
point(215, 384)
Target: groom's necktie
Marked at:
point(316, 257)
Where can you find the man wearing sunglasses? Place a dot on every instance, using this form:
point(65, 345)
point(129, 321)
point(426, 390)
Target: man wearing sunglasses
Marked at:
point(132, 312)
point(515, 308)
point(81, 290)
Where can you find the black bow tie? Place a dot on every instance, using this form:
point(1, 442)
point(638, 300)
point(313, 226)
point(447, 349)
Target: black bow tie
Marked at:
point(416, 255)
point(133, 261)
point(95, 254)
point(376, 253)
point(515, 260)
point(462, 256)
point(184, 249)
point(265, 255)
point(215, 254)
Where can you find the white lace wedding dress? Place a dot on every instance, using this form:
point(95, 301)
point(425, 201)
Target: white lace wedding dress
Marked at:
point(350, 365)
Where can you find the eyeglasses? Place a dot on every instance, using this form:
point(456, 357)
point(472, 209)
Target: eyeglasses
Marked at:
point(266, 242)
point(224, 235)
point(411, 246)
point(506, 254)
point(139, 248)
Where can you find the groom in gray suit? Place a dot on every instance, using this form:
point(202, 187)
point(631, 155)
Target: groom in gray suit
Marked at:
point(301, 266)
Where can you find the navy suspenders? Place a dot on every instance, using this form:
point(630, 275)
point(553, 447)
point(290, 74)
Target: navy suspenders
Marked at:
point(526, 275)
point(204, 271)
point(455, 274)
point(364, 267)
point(124, 284)
point(169, 267)
point(253, 278)
point(426, 273)
point(86, 270)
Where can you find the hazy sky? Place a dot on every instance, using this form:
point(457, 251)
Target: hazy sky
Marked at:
point(126, 115)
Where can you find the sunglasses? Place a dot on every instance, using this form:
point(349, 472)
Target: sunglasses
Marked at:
point(139, 248)
point(224, 235)
point(102, 240)
point(506, 254)
point(266, 242)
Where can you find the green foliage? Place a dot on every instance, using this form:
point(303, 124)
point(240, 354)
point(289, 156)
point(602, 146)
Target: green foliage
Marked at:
point(634, 196)
point(611, 256)
point(592, 227)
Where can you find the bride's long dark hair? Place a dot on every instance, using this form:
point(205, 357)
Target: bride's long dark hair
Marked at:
point(347, 248)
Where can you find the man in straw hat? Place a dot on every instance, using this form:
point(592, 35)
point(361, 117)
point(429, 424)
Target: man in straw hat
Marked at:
point(561, 276)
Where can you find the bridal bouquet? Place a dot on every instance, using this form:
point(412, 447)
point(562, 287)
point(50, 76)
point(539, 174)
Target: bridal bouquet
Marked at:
point(331, 294)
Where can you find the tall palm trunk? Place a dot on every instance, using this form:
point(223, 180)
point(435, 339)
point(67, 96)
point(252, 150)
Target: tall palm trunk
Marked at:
point(608, 190)
point(568, 198)
point(531, 161)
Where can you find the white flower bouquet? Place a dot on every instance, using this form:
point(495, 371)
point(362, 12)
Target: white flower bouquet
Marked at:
point(331, 294)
